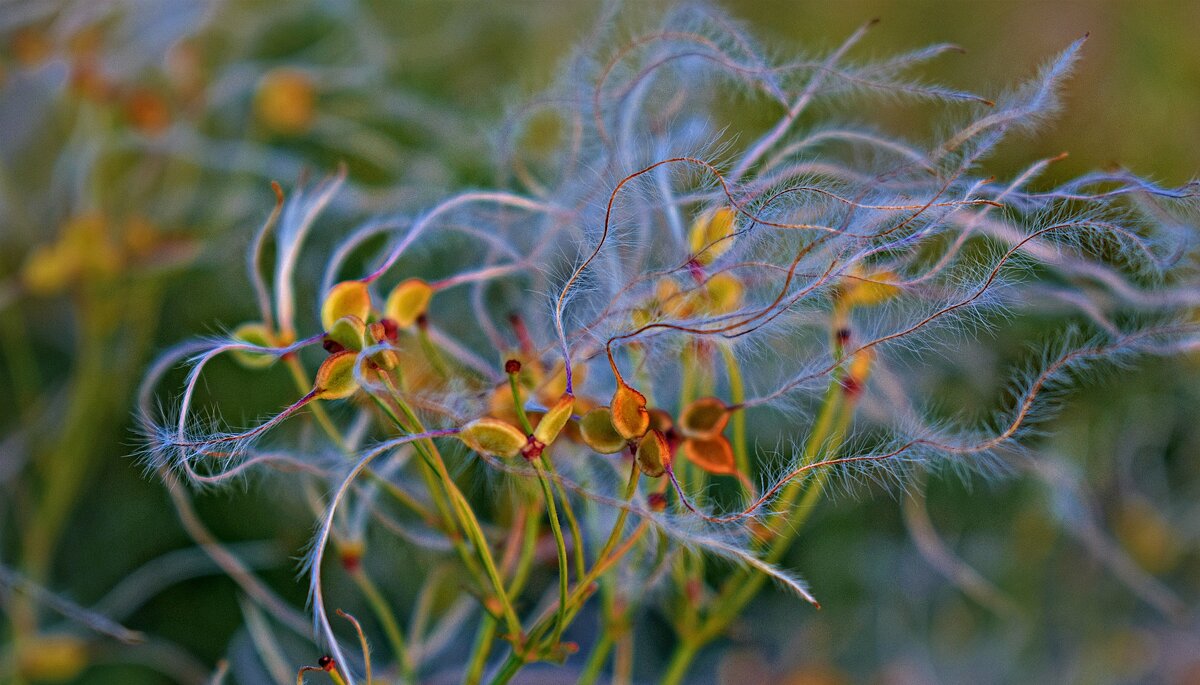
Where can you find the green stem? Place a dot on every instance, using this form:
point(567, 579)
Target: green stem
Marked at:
point(542, 465)
point(390, 626)
point(681, 661)
point(480, 651)
point(465, 514)
point(595, 662)
point(737, 395)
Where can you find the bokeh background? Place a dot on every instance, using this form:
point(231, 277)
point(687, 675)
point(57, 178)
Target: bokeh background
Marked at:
point(134, 149)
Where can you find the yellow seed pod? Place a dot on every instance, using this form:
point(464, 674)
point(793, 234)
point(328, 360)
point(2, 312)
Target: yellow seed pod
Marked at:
point(723, 293)
point(867, 290)
point(286, 101)
point(714, 455)
point(493, 436)
point(860, 366)
point(408, 301)
point(86, 239)
point(709, 228)
point(51, 658)
point(49, 269)
point(335, 378)
point(552, 423)
point(629, 415)
point(348, 298)
point(253, 333)
point(597, 431)
point(1147, 536)
point(653, 455)
point(671, 300)
point(705, 418)
point(349, 332)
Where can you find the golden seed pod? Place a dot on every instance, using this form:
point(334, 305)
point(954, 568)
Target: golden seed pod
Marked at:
point(253, 333)
point(286, 101)
point(349, 332)
point(597, 431)
point(629, 415)
point(709, 228)
point(714, 455)
point(705, 418)
point(348, 298)
point(335, 378)
point(661, 421)
point(408, 301)
point(51, 658)
point(866, 290)
point(552, 423)
point(653, 455)
point(48, 270)
point(860, 366)
point(493, 436)
point(1147, 536)
point(723, 293)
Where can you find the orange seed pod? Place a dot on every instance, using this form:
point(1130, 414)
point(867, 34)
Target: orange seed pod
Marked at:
point(714, 455)
point(629, 415)
point(705, 418)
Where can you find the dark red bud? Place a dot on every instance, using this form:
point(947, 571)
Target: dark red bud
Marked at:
point(512, 366)
point(533, 448)
point(326, 662)
point(390, 330)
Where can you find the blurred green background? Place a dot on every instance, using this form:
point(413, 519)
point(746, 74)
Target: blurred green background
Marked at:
point(72, 355)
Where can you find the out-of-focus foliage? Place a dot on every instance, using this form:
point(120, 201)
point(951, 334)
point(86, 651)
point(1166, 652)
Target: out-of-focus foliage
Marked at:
point(138, 142)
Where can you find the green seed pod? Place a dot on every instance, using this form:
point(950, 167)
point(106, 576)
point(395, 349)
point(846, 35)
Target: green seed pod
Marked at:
point(253, 333)
point(335, 378)
point(554, 420)
point(348, 331)
point(596, 429)
point(704, 419)
point(653, 454)
point(493, 436)
point(348, 298)
point(629, 415)
point(408, 301)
